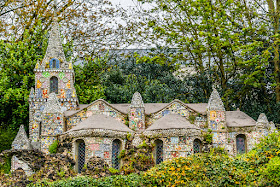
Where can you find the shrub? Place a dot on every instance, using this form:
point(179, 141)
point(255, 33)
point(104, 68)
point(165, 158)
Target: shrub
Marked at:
point(271, 172)
point(5, 164)
point(53, 147)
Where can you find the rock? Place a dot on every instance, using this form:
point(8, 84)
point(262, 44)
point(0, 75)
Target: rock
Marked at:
point(96, 167)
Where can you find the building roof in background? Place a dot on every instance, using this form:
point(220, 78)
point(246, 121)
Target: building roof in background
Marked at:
point(239, 119)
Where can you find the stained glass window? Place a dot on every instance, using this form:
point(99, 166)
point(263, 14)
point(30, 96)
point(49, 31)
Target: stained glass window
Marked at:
point(159, 151)
point(241, 143)
point(54, 85)
point(81, 156)
point(116, 146)
point(196, 146)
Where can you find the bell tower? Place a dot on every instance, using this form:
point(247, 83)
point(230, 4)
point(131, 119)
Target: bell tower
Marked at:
point(52, 75)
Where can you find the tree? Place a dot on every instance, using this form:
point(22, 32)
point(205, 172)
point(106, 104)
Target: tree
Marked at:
point(230, 42)
point(90, 25)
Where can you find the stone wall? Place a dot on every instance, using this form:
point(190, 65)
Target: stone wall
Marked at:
point(98, 107)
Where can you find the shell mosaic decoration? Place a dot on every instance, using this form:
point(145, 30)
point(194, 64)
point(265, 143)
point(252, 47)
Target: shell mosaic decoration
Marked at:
point(53, 115)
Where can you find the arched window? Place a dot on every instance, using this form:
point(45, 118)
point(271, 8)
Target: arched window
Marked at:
point(116, 146)
point(54, 85)
point(241, 143)
point(54, 63)
point(159, 151)
point(81, 155)
point(196, 146)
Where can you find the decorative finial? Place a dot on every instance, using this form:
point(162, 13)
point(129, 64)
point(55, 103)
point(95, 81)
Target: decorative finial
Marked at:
point(262, 119)
point(215, 102)
point(137, 100)
point(31, 95)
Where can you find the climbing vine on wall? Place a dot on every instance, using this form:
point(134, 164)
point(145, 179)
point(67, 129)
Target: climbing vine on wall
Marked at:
point(137, 158)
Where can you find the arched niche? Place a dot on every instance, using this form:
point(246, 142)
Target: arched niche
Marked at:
point(54, 63)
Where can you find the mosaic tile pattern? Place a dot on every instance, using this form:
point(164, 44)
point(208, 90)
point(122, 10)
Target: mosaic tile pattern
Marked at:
point(98, 146)
point(98, 107)
point(175, 107)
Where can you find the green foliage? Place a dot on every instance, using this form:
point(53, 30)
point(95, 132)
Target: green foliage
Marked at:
point(53, 147)
point(259, 167)
point(132, 180)
point(17, 61)
point(6, 138)
point(5, 166)
point(114, 171)
point(88, 78)
point(146, 73)
point(271, 172)
point(231, 44)
point(208, 136)
point(192, 119)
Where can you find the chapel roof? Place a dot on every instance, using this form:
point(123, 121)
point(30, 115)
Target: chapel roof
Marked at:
point(100, 121)
point(150, 108)
point(239, 119)
point(171, 121)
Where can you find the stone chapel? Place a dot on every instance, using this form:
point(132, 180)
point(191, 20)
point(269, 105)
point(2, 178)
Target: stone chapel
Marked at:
point(100, 128)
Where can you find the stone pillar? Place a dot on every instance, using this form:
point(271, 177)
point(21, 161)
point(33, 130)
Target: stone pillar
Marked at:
point(216, 118)
point(137, 113)
point(262, 126)
point(52, 122)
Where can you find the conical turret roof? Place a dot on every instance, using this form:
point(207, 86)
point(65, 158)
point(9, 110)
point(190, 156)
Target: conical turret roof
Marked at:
point(21, 140)
point(262, 119)
point(215, 102)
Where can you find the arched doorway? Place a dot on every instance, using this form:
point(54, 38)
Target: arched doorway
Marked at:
point(159, 151)
point(196, 146)
point(241, 143)
point(116, 147)
point(80, 154)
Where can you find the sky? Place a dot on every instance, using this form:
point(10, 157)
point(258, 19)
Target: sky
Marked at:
point(124, 3)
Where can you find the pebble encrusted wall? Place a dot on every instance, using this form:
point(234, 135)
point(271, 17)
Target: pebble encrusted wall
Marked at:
point(177, 108)
point(137, 113)
point(98, 107)
point(175, 146)
point(97, 146)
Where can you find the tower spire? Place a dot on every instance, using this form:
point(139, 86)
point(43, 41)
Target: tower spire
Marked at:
point(54, 49)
